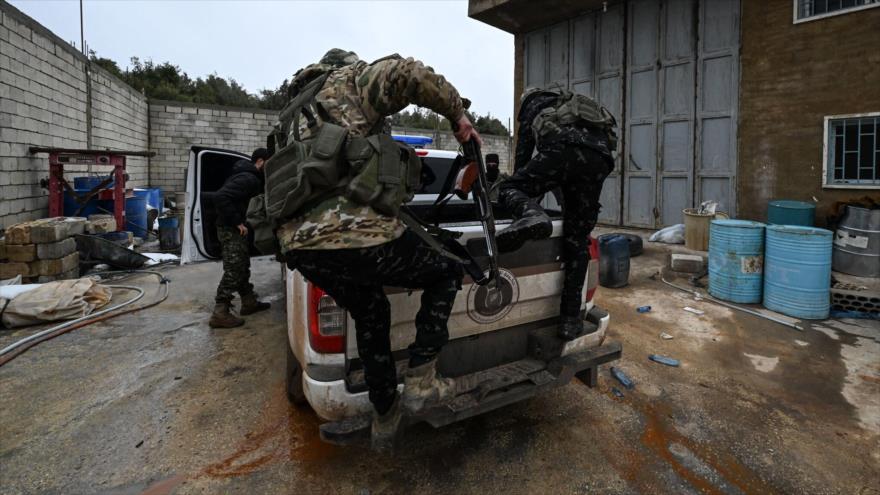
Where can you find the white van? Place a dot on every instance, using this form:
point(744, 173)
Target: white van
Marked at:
point(502, 345)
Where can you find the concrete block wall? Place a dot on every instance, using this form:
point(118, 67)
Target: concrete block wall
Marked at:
point(445, 140)
point(44, 101)
point(177, 126)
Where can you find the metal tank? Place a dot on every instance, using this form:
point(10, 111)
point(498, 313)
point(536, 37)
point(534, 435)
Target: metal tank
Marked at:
point(736, 260)
point(797, 271)
point(857, 243)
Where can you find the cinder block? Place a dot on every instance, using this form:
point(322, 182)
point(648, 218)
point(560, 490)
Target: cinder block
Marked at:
point(688, 263)
point(21, 253)
point(62, 276)
point(12, 270)
point(57, 229)
point(19, 233)
point(55, 250)
point(55, 267)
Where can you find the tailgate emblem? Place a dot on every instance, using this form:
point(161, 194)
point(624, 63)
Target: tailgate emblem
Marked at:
point(489, 304)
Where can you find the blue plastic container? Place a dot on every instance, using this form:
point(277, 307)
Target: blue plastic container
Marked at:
point(613, 261)
point(93, 206)
point(788, 212)
point(736, 260)
point(169, 233)
point(153, 196)
point(797, 271)
point(90, 182)
point(136, 216)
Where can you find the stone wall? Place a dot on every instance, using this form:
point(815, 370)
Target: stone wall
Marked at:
point(444, 140)
point(176, 126)
point(44, 101)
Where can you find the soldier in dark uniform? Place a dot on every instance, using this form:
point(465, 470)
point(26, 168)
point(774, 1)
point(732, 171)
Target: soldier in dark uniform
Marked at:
point(231, 202)
point(575, 158)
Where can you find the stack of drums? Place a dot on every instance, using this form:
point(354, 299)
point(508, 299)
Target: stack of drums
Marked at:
point(797, 271)
point(736, 260)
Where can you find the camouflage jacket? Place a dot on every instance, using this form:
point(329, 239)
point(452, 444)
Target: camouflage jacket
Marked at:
point(359, 97)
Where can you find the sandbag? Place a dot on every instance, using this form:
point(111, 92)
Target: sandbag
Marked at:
point(61, 300)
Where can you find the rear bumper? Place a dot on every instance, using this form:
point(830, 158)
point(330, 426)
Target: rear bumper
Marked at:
point(332, 400)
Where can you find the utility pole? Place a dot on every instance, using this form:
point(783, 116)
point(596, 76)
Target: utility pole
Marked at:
point(82, 34)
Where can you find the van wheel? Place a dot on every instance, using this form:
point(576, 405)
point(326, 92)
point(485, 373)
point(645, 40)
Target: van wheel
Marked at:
point(294, 379)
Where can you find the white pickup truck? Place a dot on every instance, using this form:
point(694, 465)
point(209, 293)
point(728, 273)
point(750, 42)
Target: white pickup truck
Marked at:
point(502, 346)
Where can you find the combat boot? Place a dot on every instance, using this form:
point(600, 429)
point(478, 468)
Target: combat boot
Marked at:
point(250, 305)
point(385, 427)
point(533, 224)
point(422, 386)
point(223, 318)
point(570, 327)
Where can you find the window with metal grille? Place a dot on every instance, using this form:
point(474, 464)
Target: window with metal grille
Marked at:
point(852, 151)
point(805, 10)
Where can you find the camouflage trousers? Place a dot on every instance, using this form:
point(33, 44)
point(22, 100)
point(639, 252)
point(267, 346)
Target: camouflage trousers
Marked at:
point(236, 265)
point(579, 173)
point(355, 279)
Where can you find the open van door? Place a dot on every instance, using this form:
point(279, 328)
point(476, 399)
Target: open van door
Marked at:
point(207, 171)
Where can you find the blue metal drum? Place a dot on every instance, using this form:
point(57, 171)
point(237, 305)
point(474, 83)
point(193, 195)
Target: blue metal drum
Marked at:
point(736, 260)
point(797, 271)
point(788, 212)
point(136, 216)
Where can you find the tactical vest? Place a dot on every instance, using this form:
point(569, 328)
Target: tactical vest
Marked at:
point(376, 171)
point(574, 109)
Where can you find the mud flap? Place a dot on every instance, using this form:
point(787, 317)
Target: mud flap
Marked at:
point(487, 390)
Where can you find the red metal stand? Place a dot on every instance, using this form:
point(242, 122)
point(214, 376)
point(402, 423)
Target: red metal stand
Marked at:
point(57, 184)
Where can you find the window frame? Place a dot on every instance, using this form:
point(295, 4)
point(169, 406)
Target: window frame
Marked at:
point(847, 10)
point(826, 184)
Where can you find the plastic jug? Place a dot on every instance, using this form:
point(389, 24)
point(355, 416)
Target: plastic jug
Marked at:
point(613, 261)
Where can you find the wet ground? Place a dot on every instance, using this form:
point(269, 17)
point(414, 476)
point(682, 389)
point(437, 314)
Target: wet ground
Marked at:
point(157, 402)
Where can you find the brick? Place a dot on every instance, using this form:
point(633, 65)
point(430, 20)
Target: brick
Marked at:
point(99, 224)
point(44, 279)
point(12, 270)
point(55, 267)
point(18, 233)
point(57, 229)
point(21, 253)
point(55, 250)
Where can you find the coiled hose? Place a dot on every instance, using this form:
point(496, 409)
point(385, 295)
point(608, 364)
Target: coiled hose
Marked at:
point(17, 348)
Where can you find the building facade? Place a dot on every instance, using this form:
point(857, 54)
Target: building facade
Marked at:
point(739, 102)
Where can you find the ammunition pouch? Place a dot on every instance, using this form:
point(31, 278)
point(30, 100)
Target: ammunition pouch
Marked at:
point(384, 173)
point(575, 110)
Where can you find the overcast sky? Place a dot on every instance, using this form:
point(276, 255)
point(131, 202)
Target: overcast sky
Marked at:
point(260, 43)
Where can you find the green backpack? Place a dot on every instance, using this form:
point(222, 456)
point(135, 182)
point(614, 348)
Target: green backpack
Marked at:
point(376, 170)
point(571, 109)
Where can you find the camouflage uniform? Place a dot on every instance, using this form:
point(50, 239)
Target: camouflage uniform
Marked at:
point(350, 250)
point(236, 265)
point(576, 161)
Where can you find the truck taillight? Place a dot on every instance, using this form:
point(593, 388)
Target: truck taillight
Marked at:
point(326, 322)
point(593, 269)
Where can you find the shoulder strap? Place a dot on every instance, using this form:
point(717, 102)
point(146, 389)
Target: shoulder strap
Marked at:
point(416, 226)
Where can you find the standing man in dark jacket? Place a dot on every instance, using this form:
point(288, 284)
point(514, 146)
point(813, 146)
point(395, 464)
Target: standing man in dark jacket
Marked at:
point(574, 137)
point(231, 202)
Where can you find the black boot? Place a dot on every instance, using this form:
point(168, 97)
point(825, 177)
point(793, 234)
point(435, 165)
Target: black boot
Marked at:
point(532, 223)
point(250, 305)
point(570, 327)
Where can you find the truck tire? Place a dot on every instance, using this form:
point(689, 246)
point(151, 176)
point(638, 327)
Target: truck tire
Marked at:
point(294, 379)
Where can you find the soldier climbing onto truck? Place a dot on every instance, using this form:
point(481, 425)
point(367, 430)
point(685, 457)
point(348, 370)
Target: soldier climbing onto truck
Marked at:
point(335, 186)
point(575, 138)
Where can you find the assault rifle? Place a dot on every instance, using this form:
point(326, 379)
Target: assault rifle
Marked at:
point(472, 178)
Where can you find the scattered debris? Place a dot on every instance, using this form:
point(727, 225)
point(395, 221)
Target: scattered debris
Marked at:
point(801, 343)
point(157, 258)
point(620, 376)
point(666, 336)
point(664, 360)
point(694, 310)
point(644, 309)
point(617, 393)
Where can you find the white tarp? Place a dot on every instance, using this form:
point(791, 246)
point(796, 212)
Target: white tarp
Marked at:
point(61, 300)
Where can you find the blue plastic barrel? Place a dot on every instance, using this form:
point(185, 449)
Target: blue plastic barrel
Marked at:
point(153, 196)
point(613, 260)
point(92, 207)
point(797, 271)
point(736, 260)
point(90, 182)
point(136, 216)
point(169, 233)
point(788, 212)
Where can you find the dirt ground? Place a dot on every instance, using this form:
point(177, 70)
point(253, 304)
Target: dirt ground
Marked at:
point(157, 402)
